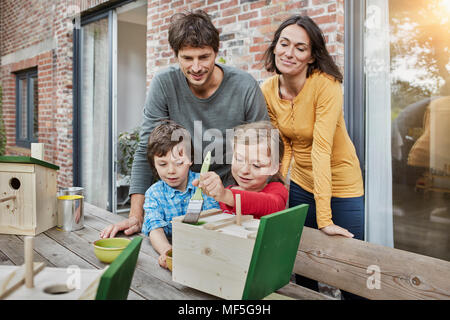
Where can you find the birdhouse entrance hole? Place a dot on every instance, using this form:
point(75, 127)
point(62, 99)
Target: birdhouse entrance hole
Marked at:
point(58, 289)
point(14, 183)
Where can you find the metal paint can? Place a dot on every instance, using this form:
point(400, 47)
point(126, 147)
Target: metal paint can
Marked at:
point(70, 212)
point(70, 191)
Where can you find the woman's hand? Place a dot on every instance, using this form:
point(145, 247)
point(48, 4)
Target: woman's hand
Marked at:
point(333, 230)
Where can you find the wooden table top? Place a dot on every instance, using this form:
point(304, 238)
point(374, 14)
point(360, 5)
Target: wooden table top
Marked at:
point(150, 282)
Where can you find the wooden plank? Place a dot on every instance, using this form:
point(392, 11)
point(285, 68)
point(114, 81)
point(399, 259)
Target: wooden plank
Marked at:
point(149, 280)
point(37, 151)
point(4, 260)
point(16, 277)
point(51, 284)
point(349, 263)
point(16, 167)
point(18, 216)
point(13, 247)
point(297, 292)
point(7, 160)
point(226, 222)
point(109, 217)
point(46, 201)
point(210, 212)
point(7, 198)
point(57, 254)
point(209, 260)
point(98, 224)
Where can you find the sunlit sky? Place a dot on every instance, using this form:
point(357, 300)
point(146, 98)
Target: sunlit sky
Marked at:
point(412, 63)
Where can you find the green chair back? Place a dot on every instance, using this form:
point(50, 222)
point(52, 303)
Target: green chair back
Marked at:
point(115, 282)
point(274, 253)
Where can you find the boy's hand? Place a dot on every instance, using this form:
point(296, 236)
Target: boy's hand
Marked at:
point(162, 258)
point(211, 185)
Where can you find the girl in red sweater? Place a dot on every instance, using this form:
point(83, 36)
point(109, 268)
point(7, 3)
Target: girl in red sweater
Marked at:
point(257, 152)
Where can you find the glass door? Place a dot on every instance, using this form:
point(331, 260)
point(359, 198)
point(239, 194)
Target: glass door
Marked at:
point(108, 106)
point(96, 118)
point(407, 70)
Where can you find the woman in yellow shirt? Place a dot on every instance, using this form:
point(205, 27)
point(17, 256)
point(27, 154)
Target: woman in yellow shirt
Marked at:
point(305, 103)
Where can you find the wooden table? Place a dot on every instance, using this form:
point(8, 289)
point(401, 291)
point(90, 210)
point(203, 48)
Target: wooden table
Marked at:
point(150, 282)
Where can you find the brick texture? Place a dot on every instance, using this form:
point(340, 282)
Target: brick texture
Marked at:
point(246, 28)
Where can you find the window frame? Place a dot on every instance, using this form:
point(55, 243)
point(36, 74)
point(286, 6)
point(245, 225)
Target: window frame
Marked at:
point(25, 75)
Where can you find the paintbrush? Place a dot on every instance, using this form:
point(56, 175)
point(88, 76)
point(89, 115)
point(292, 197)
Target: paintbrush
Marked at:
point(196, 202)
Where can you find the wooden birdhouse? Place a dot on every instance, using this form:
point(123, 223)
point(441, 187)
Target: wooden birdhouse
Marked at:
point(35, 281)
point(237, 257)
point(28, 204)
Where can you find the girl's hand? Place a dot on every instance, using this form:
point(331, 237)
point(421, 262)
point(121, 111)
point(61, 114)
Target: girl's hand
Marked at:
point(211, 185)
point(333, 230)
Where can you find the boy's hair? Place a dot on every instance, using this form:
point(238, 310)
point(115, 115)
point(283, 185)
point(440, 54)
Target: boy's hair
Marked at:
point(262, 132)
point(194, 29)
point(166, 135)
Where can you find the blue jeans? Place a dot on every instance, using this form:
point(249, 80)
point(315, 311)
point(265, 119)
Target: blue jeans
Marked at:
point(347, 213)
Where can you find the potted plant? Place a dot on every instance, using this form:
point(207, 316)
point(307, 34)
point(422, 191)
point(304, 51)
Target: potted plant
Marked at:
point(127, 145)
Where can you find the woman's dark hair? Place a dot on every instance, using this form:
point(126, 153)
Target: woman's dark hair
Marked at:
point(322, 59)
point(194, 29)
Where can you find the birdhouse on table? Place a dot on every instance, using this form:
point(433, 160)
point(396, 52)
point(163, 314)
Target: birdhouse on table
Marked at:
point(28, 204)
point(237, 257)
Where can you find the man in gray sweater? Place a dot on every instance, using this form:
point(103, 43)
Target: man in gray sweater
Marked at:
point(204, 97)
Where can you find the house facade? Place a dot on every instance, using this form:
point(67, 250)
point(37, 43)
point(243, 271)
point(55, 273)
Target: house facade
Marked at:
point(74, 74)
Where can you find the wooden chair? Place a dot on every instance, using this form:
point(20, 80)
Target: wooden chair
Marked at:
point(115, 282)
point(274, 252)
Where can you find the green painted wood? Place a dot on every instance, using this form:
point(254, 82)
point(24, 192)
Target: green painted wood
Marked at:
point(115, 282)
point(27, 160)
point(274, 253)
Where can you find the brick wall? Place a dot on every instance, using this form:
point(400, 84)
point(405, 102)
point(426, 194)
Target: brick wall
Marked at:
point(38, 33)
point(246, 28)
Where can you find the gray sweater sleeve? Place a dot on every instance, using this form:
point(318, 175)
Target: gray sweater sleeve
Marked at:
point(256, 108)
point(155, 110)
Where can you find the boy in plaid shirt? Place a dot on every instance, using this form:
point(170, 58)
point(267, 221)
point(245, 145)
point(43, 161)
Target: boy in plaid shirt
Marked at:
point(168, 153)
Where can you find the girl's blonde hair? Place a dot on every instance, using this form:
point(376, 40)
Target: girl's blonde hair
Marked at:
point(262, 132)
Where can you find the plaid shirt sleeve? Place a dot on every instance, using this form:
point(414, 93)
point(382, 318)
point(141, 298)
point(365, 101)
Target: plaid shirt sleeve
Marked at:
point(209, 203)
point(154, 217)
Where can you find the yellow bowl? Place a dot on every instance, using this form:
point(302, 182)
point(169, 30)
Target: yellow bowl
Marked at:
point(106, 250)
point(169, 259)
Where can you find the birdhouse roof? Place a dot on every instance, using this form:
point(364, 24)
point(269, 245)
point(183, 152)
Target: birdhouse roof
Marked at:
point(28, 160)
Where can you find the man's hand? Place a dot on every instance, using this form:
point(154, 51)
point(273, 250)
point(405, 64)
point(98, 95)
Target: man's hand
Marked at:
point(131, 225)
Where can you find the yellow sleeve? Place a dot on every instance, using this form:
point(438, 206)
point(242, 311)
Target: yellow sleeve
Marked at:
point(328, 110)
point(287, 156)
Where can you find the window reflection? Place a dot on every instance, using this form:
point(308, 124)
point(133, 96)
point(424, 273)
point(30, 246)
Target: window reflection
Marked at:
point(420, 113)
point(23, 108)
point(35, 99)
